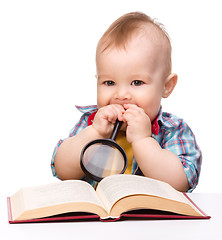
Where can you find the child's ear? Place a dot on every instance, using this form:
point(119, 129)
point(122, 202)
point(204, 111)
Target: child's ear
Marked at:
point(169, 85)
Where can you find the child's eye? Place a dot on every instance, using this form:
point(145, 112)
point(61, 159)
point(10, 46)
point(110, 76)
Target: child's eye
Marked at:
point(137, 83)
point(109, 83)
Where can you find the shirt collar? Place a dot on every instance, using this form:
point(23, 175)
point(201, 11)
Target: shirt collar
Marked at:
point(157, 122)
point(87, 109)
point(159, 116)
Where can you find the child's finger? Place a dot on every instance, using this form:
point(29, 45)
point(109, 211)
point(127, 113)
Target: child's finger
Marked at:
point(128, 116)
point(134, 109)
point(119, 111)
point(129, 105)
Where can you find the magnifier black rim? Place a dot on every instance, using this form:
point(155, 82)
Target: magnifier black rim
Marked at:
point(108, 142)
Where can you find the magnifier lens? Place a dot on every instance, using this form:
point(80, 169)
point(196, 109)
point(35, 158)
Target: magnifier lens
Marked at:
point(103, 160)
point(104, 157)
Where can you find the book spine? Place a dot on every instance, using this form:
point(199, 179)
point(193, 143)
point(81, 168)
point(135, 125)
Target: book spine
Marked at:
point(110, 219)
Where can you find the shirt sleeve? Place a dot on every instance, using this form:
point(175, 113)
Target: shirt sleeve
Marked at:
point(181, 141)
point(76, 129)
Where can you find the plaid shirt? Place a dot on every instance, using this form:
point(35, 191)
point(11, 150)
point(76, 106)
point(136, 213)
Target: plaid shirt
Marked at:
point(169, 131)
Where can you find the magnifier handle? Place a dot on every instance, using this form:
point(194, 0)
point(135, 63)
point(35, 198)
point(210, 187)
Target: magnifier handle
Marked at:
point(116, 129)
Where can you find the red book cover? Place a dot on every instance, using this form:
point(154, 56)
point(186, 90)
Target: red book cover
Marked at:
point(142, 214)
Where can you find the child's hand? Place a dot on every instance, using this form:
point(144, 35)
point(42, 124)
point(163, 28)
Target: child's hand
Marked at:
point(138, 123)
point(106, 117)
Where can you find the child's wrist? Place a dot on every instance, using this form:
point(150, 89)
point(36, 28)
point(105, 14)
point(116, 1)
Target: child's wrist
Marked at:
point(97, 133)
point(141, 141)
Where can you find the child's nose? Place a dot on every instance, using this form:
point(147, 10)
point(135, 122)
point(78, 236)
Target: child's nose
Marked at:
point(122, 93)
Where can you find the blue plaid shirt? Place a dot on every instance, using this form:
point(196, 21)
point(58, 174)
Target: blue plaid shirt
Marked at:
point(171, 133)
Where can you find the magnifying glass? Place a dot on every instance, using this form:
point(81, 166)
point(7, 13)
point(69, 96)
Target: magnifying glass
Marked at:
point(104, 157)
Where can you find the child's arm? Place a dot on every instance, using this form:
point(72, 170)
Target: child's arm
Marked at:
point(154, 161)
point(159, 163)
point(67, 158)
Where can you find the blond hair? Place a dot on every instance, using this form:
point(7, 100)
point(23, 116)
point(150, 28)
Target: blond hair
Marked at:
point(121, 30)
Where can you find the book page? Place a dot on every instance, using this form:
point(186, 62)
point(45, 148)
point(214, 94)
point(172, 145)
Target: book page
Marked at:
point(59, 193)
point(115, 187)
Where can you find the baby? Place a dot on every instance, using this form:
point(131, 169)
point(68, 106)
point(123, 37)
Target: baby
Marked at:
point(133, 60)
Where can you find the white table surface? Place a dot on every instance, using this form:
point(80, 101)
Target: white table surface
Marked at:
point(142, 229)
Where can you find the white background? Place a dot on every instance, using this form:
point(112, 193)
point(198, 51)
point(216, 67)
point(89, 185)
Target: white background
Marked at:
point(47, 66)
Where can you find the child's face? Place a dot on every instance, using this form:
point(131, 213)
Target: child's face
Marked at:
point(134, 76)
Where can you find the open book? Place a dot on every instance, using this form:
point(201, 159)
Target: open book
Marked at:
point(116, 197)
